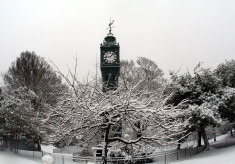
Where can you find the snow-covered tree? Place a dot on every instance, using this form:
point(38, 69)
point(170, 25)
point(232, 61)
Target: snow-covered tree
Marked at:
point(87, 112)
point(152, 73)
point(128, 73)
point(201, 91)
point(204, 115)
point(227, 107)
point(19, 117)
point(32, 71)
point(226, 71)
point(1, 117)
point(145, 69)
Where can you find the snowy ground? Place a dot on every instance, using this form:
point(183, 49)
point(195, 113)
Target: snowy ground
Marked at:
point(213, 156)
point(11, 158)
point(216, 156)
point(221, 138)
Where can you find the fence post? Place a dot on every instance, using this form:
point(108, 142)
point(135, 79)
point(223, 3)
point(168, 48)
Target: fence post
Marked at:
point(165, 158)
point(62, 159)
point(185, 151)
point(177, 154)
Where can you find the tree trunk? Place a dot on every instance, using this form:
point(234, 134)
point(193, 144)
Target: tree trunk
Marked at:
point(12, 142)
point(5, 142)
point(105, 148)
point(199, 141)
point(39, 145)
point(138, 127)
point(139, 134)
point(206, 142)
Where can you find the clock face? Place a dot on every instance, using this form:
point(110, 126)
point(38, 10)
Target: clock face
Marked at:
point(110, 57)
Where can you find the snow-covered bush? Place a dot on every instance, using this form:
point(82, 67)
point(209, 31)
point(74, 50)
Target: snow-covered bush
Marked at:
point(86, 152)
point(47, 159)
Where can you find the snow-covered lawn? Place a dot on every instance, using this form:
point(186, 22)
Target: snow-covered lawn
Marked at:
point(11, 158)
point(222, 137)
point(214, 156)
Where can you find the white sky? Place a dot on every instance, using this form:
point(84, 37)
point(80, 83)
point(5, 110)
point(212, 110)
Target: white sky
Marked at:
point(170, 32)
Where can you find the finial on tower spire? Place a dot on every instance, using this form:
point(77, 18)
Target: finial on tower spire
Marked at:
point(110, 26)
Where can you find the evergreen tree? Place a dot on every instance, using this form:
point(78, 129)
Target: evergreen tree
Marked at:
point(226, 72)
point(227, 105)
point(32, 71)
point(203, 101)
point(20, 117)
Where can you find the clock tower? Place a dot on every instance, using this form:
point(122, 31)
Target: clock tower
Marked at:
point(110, 61)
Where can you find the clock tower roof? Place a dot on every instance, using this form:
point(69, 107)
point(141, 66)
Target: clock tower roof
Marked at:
point(110, 40)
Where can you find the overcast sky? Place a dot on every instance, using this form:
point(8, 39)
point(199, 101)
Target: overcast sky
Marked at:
point(170, 32)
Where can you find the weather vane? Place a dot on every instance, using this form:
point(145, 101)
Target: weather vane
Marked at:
point(110, 26)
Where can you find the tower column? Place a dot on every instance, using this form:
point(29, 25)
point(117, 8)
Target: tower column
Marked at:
point(110, 61)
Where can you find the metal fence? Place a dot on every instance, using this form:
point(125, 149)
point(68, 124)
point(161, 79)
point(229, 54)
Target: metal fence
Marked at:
point(161, 157)
point(33, 154)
